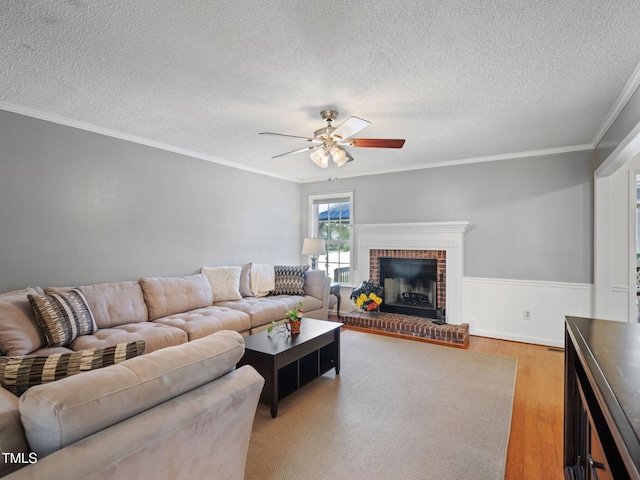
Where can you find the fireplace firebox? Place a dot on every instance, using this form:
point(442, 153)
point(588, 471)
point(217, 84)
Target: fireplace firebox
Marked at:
point(410, 286)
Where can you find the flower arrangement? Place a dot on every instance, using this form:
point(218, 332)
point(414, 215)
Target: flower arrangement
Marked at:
point(368, 296)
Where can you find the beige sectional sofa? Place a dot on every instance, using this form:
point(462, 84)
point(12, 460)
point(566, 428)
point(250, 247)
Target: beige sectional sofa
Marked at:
point(181, 410)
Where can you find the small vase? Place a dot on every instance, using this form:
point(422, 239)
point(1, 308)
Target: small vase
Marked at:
point(293, 327)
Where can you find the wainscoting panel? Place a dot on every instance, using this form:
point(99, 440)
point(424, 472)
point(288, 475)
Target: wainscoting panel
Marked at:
point(496, 308)
point(619, 304)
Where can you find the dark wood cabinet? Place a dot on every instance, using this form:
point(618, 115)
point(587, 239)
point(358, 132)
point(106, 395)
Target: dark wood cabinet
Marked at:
point(602, 400)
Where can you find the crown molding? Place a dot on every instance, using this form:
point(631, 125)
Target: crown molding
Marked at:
point(68, 122)
point(30, 112)
point(466, 161)
point(625, 151)
point(628, 90)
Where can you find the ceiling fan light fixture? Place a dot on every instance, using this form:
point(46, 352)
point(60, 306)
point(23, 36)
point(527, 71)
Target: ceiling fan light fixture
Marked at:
point(320, 158)
point(328, 140)
point(338, 156)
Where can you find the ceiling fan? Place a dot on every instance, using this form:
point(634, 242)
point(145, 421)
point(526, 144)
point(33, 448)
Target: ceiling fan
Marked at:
point(330, 141)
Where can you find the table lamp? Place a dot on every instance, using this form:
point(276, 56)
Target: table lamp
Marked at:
point(314, 247)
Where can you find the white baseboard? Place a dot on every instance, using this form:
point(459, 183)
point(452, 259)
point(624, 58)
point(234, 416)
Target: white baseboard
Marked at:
point(494, 308)
point(519, 338)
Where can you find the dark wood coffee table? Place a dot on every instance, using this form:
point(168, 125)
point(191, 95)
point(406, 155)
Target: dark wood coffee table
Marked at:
point(287, 362)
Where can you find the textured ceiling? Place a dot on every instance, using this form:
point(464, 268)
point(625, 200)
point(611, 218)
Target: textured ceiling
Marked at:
point(460, 80)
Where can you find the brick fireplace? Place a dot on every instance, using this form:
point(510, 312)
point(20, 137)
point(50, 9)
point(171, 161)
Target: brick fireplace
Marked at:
point(437, 302)
point(443, 241)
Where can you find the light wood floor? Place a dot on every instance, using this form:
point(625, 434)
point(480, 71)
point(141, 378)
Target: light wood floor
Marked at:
point(535, 445)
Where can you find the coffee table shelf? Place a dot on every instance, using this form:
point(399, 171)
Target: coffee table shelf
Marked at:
point(288, 362)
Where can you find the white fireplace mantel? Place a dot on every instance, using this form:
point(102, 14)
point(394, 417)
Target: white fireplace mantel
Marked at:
point(448, 236)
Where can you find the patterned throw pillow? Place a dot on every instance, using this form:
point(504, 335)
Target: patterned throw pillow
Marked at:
point(289, 280)
point(63, 316)
point(17, 374)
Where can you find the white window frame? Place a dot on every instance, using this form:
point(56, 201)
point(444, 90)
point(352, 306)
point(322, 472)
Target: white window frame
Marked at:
point(313, 214)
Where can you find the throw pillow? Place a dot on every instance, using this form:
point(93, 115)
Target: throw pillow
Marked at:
point(63, 316)
point(225, 282)
point(289, 280)
point(245, 281)
point(19, 331)
point(17, 374)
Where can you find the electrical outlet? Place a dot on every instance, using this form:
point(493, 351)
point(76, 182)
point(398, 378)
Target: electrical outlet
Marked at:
point(526, 314)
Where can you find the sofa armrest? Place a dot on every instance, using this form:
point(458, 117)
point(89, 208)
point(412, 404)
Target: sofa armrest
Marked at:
point(317, 284)
point(202, 432)
point(12, 438)
point(314, 284)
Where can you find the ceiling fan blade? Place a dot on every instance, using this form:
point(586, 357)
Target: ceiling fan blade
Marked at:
point(376, 142)
point(349, 127)
point(285, 135)
point(305, 149)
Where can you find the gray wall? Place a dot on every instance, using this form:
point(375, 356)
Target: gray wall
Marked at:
point(623, 124)
point(532, 218)
point(78, 207)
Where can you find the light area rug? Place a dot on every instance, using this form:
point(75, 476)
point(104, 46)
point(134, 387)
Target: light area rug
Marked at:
point(398, 410)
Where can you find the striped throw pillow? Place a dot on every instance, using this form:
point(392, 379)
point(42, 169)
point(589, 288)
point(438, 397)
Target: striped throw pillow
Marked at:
point(62, 317)
point(289, 280)
point(17, 374)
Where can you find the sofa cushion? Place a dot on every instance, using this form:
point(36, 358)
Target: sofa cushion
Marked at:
point(224, 281)
point(310, 303)
point(168, 295)
point(245, 281)
point(263, 310)
point(46, 351)
point(289, 280)
point(157, 336)
point(60, 413)
point(19, 330)
point(62, 316)
point(112, 304)
point(205, 321)
point(18, 374)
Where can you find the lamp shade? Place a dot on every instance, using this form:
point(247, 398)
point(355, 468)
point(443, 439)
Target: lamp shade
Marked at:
point(320, 158)
point(338, 156)
point(313, 246)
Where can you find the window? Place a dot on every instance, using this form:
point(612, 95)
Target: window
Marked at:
point(330, 219)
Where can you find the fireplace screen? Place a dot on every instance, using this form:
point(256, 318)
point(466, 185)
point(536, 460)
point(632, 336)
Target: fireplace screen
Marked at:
point(410, 286)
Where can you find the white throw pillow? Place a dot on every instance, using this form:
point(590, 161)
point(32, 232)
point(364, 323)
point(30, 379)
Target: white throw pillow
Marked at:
point(225, 282)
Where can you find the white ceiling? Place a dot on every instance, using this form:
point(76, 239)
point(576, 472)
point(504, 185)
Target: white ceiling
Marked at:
point(460, 80)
